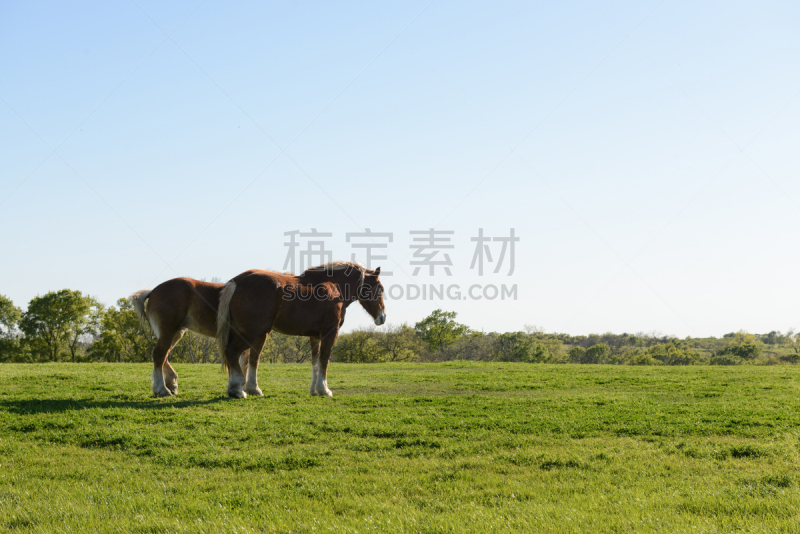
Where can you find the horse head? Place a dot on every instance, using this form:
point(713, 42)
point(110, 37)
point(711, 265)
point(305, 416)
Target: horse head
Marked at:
point(370, 295)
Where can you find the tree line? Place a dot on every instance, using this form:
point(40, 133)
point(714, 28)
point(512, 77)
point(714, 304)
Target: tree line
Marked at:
point(67, 325)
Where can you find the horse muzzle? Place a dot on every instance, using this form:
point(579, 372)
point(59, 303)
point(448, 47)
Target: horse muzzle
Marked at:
point(381, 318)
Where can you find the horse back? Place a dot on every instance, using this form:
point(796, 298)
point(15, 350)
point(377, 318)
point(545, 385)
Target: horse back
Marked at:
point(185, 303)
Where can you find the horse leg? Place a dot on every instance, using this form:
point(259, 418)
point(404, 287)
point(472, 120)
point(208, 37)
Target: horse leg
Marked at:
point(251, 384)
point(314, 341)
point(169, 374)
point(160, 353)
point(243, 357)
point(326, 345)
point(236, 377)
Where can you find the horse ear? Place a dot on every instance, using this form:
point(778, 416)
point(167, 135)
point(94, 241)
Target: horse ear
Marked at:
point(377, 271)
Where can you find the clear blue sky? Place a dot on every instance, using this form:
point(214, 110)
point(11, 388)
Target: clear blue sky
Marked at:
point(644, 152)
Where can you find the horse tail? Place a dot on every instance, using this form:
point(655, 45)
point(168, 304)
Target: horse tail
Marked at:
point(224, 320)
point(138, 300)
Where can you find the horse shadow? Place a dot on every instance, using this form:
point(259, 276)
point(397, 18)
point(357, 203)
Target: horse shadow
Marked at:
point(39, 406)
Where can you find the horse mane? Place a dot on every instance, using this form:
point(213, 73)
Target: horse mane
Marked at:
point(338, 265)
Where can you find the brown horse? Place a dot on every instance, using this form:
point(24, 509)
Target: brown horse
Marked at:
point(312, 304)
point(172, 308)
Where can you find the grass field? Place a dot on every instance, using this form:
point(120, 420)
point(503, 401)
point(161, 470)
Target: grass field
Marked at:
point(459, 447)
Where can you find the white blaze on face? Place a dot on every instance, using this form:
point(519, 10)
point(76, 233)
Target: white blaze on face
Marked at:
point(381, 318)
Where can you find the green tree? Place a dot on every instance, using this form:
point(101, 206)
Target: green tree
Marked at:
point(597, 353)
point(554, 347)
point(197, 348)
point(794, 342)
point(10, 316)
point(56, 322)
point(745, 351)
point(742, 345)
point(520, 347)
point(439, 330)
point(121, 337)
point(281, 348)
point(772, 338)
point(85, 323)
point(637, 356)
point(673, 353)
point(358, 346)
point(726, 359)
point(576, 354)
point(398, 344)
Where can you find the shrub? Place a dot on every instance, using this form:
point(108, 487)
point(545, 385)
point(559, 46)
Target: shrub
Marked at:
point(519, 347)
point(474, 346)
point(598, 353)
point(726, 359)
point(638, 357)
point(745, 351)
point(359, 346)
point(672, 354)
point(576, 354)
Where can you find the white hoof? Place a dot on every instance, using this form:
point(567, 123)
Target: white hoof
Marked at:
point(172, 388)
point(162, 392)
point(237, 394)
point(256, 392)
point(157, 385)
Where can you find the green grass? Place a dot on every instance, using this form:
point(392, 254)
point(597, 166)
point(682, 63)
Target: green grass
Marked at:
point(458, 447)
